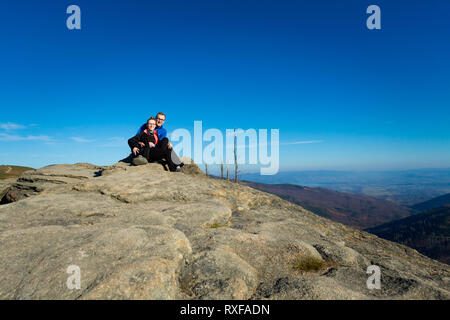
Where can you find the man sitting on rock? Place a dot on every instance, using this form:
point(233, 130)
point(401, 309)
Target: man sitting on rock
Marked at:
point(146, 146)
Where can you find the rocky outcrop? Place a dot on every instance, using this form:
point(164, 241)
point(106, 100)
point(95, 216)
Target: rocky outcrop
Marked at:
point(5, 184)
point(145, 233)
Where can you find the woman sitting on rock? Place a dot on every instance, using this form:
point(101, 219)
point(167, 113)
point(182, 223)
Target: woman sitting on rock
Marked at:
point(146, 147)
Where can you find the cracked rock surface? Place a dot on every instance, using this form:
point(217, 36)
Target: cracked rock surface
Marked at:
point(145, 233)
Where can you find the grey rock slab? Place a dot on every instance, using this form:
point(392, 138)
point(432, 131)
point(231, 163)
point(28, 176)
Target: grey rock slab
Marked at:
point(141, 232)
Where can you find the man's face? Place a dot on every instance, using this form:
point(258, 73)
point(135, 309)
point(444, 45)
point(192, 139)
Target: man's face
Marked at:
point(160, 120)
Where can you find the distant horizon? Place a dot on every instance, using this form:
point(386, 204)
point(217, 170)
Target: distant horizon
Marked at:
point(364, 170)
point(216, 168)
point(255, 171)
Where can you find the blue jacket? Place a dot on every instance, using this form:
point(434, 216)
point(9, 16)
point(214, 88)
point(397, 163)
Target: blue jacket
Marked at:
point(162, 132)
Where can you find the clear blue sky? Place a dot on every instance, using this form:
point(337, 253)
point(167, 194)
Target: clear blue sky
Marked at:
point(369, 99)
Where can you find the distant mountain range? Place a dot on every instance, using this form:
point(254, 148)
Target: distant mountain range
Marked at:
point(351, 209)
point(433, 203)
point(427, 232)
point(404, 187)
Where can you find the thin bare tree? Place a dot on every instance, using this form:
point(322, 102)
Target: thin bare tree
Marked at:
point(206, 169)
point(235, 158)
point(221, 169)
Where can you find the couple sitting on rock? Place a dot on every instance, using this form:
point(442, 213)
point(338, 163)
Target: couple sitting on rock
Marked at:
point(151, 144)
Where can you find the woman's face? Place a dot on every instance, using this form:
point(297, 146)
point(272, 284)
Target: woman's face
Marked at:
point(151, 125)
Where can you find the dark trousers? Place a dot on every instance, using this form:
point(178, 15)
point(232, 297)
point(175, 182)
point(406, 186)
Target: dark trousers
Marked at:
point(159, 152)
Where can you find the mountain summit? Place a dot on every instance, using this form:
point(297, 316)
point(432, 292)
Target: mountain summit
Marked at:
point(145, 233)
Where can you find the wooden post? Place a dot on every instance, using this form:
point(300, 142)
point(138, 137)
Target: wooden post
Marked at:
point(235, 159)
point(228, 173)
point(221, 169)
point(206, 169)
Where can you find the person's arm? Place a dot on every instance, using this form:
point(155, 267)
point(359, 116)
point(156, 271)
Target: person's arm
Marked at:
point(134, 141)
point(162, 133)
point(151, 140)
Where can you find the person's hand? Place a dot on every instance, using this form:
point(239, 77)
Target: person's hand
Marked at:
point(151, 144)
point(169, 145)
point(142, 144)
point(135, 151)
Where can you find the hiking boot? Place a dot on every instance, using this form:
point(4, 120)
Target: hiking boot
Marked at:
point(139, 160)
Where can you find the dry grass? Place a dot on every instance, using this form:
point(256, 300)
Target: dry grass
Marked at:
point(12, 171)
point(311, 264)
point(192, 169)
point(216, 225)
